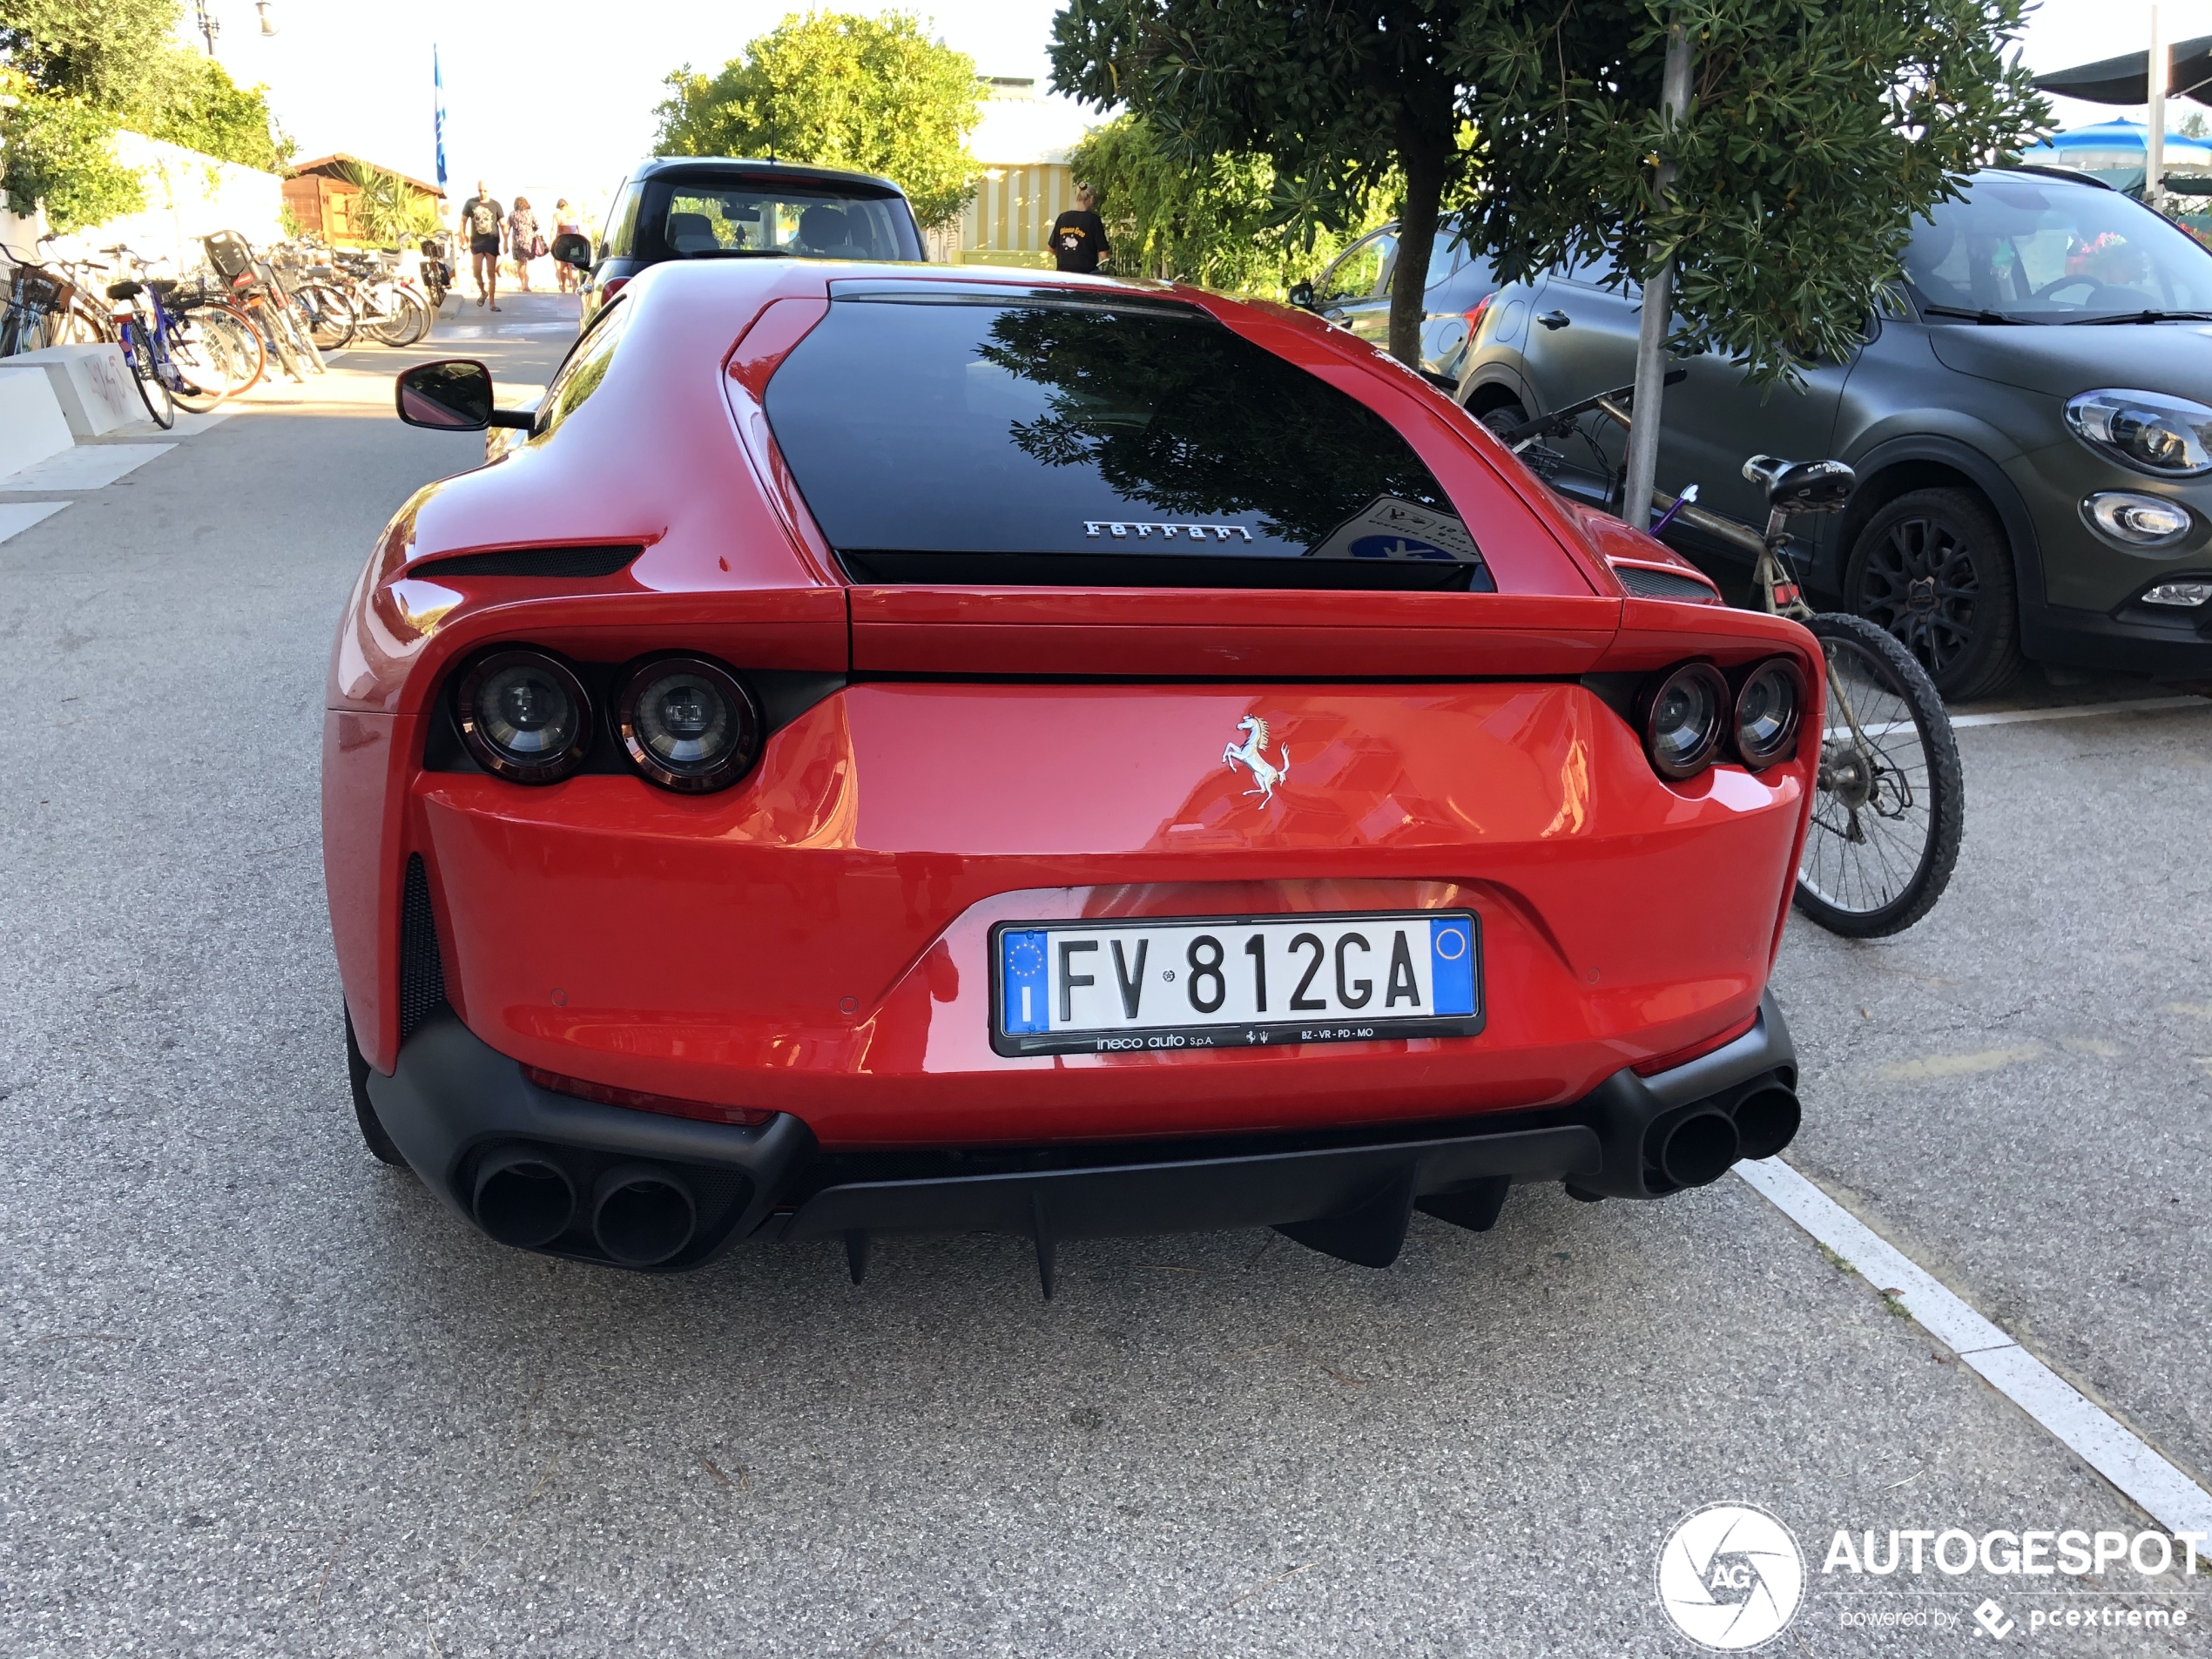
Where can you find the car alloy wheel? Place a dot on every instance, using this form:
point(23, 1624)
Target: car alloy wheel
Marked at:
point(1933, 568)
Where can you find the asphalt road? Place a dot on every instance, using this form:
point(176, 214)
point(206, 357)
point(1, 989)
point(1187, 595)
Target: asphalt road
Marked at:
point(262, 1395)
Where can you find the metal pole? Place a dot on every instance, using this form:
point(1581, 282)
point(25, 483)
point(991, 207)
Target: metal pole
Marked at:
point(1658, 308)
point(2154, 139)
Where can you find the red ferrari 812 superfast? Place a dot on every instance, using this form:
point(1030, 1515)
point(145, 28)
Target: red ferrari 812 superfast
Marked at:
point(901, 748)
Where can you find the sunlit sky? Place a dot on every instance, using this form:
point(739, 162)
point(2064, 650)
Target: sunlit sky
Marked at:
point(557, 96)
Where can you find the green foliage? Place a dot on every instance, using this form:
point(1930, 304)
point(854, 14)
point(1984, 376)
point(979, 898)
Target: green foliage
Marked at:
point(188, 99)
point(56, 149)
point(388, 209)
point(874, 94)
point(1819, 130)
point(1217, 222)
point(2196, 126)
point(83, 68)
point(1345, 100)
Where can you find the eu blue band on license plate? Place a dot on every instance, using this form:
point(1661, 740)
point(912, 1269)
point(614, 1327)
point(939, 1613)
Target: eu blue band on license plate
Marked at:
point(1167, 983)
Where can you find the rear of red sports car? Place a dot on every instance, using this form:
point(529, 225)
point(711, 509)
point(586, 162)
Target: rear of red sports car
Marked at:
point(901, 749)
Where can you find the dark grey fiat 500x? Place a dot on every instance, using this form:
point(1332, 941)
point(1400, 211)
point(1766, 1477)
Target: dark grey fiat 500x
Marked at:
point(2031, 421)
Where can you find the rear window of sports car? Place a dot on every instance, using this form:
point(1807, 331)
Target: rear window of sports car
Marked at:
point(967, 435)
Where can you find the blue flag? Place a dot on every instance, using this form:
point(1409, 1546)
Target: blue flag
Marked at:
point(438, 115)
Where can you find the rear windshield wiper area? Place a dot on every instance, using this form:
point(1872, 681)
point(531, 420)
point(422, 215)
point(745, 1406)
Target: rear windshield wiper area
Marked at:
point(892, 567)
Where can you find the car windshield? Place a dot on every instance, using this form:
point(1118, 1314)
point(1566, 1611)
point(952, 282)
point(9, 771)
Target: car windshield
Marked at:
point(2046, 251)
point(938, 420)
point(691, 219)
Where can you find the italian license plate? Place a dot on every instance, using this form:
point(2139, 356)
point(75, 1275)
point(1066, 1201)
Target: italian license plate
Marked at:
point(1234, 982)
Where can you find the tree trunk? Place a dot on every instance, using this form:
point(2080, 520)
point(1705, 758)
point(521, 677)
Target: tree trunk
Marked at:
point(1424, 166)
point(1657, 320)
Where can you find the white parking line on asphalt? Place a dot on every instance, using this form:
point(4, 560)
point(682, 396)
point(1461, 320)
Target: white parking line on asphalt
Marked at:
point(2176, 1502)
point(2077, 711)
point(16, 516)
point(88, 465)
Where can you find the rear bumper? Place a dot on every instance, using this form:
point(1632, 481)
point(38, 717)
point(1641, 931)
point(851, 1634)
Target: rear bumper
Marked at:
point(454, 1102)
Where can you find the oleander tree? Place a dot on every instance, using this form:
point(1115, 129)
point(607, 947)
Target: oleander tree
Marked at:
point(1814, 134)
point(875, 94)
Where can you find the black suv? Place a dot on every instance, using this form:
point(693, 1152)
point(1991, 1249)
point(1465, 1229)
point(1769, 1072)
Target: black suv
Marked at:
point(686, 207)
point(2030, 415)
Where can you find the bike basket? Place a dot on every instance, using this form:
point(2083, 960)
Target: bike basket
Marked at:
point(39, 289)
point(230, 253)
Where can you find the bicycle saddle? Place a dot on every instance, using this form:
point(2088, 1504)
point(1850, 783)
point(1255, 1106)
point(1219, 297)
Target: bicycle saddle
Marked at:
point(1802, 486)
point(163, 286)
point(125, 290)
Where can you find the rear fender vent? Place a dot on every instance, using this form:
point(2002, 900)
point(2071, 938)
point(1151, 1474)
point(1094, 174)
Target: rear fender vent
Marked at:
point(571, 562)
point(423, 975)
point(1649, 583)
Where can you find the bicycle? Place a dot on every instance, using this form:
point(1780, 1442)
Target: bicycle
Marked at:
point(1889, 806)
point(44, 308)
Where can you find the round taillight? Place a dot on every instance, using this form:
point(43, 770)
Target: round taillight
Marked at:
point(524, 716)
point(688, 723)
point(1768, 706)
point(1683, 716)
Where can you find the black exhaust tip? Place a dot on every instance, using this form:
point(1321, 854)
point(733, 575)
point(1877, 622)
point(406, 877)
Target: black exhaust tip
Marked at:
point(523, 1197)
point(1767, 1121)
point(1699, 1149)
point(642, 1216)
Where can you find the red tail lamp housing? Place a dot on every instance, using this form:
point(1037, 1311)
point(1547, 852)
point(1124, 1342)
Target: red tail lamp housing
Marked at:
point(639, 1100)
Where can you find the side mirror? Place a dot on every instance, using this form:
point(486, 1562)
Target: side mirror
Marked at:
point(450, 396)
point(569, 248)
point(1302, 296)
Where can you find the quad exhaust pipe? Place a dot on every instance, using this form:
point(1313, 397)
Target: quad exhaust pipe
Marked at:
point(640, 1215)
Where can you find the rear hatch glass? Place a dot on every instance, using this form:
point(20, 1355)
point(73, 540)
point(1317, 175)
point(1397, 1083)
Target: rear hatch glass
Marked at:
point(694, 217)
point(958, 434)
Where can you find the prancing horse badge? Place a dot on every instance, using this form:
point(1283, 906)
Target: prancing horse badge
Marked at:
point(1253, 754)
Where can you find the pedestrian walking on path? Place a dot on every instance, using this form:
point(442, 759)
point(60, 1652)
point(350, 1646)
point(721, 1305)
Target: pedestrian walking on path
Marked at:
point(523, 243)
point(1079, 236)
point(481, 221)
point(565, 223)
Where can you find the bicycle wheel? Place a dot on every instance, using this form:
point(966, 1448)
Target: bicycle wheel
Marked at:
point(407, 319)
point(330, 315)
point(231, 345)
point(276, 338)
point(302, 338)
point(138, 352)
point(79, 325)
point(1889, 812)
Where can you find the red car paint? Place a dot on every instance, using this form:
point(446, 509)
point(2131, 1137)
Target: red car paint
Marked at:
point(813, 941)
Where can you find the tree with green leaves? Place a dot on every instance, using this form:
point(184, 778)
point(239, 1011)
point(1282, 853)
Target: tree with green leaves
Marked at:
point(1343, 100)
point(874, 94)
point(1813, 133)
point(1213, 223)
point(78, 69)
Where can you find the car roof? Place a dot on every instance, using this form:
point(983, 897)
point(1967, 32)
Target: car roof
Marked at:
point(655, 165)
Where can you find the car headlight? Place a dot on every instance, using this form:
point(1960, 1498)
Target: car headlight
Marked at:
point(523, 716)
point(2149, 431)
point(687, 724)
point(2136, 521)
point(1767, 705)
point(1683, 714)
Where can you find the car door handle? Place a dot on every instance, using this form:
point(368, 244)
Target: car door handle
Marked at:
point(1554, 320)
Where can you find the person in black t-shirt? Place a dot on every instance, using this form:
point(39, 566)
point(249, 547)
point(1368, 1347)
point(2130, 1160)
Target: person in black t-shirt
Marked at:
point(1079, 237)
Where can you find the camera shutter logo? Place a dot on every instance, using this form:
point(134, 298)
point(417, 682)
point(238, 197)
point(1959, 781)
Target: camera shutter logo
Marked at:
point(1731, 1577)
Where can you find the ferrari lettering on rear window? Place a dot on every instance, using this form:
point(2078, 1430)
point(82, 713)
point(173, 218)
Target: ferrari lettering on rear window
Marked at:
point(1232, 982)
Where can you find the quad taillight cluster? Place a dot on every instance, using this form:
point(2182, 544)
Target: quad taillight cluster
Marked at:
point(686, 723)
point(1689, 714)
